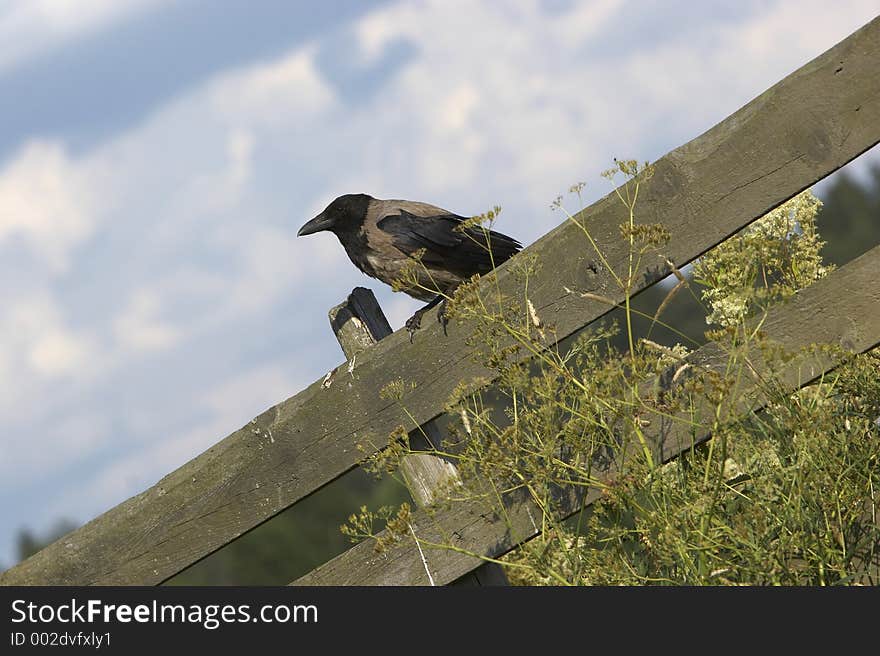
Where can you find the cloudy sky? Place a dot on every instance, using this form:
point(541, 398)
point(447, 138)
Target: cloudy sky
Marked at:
point(157, 157)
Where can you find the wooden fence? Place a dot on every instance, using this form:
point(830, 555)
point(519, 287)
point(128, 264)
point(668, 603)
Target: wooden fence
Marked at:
point(797, 132)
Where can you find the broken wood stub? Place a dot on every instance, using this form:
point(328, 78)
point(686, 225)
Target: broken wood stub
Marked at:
point(358, 323)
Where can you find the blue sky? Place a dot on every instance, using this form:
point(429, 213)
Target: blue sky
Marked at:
point(158, 156)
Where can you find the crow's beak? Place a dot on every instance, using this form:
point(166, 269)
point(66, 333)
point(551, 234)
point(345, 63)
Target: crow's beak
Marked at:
point(319, 223)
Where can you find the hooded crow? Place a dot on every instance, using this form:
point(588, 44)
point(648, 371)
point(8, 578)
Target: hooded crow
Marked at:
point(382, 237)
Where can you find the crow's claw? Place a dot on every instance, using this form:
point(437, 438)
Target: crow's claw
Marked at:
point(415, 321)
point(413, 324)
point(442, 317)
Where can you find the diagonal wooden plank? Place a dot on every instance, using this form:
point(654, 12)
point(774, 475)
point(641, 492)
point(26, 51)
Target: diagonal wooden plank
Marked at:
point(358, 323)
point(800, 130)
point(843, 309)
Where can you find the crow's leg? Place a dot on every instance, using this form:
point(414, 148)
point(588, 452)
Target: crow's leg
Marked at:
point(415, 321)
point(441, 315)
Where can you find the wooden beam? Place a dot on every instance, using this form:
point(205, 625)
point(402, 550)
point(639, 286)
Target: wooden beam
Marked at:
point(803, 128)
point(842, 309)
point(358, 323)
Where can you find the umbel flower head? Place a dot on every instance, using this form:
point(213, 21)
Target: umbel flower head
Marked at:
point(765, 262)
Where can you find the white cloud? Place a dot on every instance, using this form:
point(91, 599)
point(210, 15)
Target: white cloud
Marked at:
point(37, 341)
point(502, 96)
point(228, 406)
point(271, 94)
point(32, 27)
point(47, 201)
point(56, 352)
point(268, 268)
point(40, 353)
point(140, 327)
point(184, 180)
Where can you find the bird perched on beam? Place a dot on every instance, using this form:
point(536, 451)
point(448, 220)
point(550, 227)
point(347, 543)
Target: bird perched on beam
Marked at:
point(382, 237)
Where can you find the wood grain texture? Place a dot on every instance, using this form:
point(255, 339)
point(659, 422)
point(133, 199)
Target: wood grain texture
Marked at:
point(358, 323)
point(803, 128)
point(843, 309)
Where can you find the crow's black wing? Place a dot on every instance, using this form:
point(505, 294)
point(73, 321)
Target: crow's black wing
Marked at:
point(464, 251)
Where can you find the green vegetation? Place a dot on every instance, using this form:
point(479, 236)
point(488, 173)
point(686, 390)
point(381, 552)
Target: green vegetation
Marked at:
point(783, 493)
point(786, 497)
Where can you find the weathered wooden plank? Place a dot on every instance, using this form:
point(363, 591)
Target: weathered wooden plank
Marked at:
point(803, 128)
point(843, 309)
point(358, 323)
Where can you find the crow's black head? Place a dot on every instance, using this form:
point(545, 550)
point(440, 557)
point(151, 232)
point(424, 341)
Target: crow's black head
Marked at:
point(345, 213)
